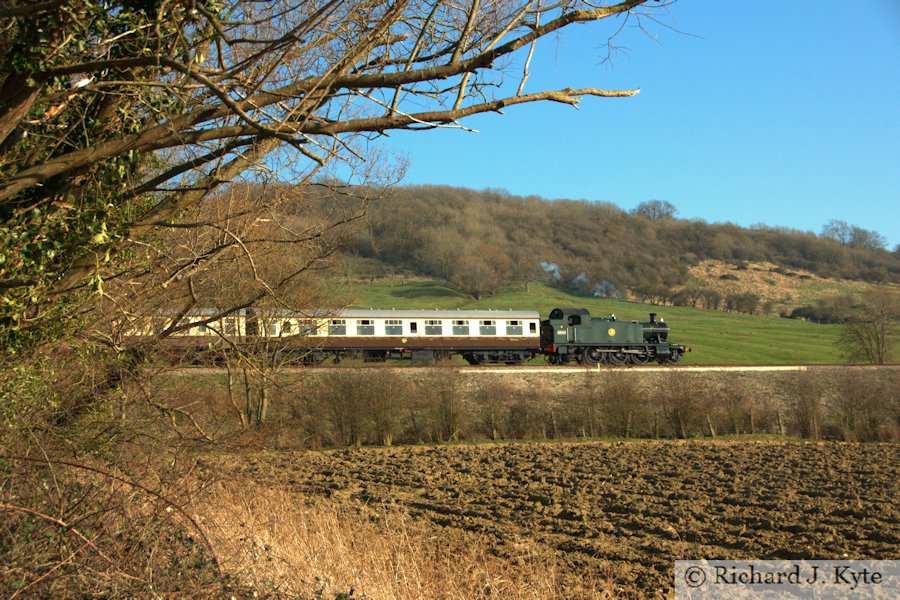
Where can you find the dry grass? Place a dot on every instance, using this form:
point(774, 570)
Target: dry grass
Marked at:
point(82, 530)
point(787, 288)
point(277, 543)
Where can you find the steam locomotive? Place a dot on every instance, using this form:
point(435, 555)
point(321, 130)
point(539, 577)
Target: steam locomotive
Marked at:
point(572, 334)
point(569, 335)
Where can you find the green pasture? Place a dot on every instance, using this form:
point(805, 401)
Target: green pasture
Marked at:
point(714, 337)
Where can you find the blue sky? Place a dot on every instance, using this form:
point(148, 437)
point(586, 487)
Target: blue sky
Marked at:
point(782, 113)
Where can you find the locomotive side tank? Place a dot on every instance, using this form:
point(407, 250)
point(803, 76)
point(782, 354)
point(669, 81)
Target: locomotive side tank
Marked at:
point(572, 334)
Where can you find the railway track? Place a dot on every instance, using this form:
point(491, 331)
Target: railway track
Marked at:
point(682, 368)
point(555, 370)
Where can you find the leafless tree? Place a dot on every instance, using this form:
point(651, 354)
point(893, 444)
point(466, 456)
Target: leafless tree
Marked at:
point(130, 131)
point(655, 210)
point(853, 236)
point(871, 334)
point(118, 118)
point(483, 273)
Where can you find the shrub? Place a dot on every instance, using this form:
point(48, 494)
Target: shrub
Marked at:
point(491, 398)
point(448, 418)
point(864, 408)
point(806, 406)
point(681, 403)
point(622, 405)
point(75, 529)
point(387, 395)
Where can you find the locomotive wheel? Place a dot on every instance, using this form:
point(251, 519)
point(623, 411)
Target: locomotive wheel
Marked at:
point(592, 356)
point(640, 359)
point(617, 358)
point(673, 358)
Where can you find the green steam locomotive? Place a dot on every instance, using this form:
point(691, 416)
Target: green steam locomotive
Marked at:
point(573, 335)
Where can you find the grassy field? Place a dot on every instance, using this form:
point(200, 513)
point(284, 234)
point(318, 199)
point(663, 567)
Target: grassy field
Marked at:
point(714, 337)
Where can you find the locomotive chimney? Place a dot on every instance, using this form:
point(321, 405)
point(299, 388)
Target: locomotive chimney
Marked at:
point(652, 318)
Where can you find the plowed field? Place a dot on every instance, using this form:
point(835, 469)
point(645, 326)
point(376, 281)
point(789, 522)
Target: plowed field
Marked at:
point(623, 510)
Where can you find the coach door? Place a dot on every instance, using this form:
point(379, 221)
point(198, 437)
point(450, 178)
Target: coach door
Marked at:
point(414, 328)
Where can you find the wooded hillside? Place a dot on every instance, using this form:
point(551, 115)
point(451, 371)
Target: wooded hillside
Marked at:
point(479, 240)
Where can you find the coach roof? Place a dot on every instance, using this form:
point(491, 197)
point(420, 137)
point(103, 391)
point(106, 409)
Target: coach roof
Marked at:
point(353, 313)
point(434, 314)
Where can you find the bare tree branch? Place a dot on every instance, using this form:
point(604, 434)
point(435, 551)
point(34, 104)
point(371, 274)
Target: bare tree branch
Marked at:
point(119, 121)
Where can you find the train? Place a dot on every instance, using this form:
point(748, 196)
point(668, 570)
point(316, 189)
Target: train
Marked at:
point(567, 336)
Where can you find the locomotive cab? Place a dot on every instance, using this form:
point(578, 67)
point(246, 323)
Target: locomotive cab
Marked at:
point(563, 327)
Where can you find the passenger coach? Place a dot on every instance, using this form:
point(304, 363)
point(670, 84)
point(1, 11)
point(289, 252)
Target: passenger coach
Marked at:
point(480, 336)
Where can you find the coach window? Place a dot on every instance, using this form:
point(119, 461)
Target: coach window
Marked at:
point(393, 327)
point(337, 327)
point(488, 327)
point(365, 327)
point(514, 328)
point(460, 328)
point(286, 328)
point(201, 328)
point(433, 327)
point(532, 327)
point(230, 329)
point(308, 327)
point(413, 328)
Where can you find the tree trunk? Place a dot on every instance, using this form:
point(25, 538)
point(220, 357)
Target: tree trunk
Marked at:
point(263, 412)
point(18, 98)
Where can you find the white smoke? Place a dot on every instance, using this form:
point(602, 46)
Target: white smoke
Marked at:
point(552, 269)
point(605, 289)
